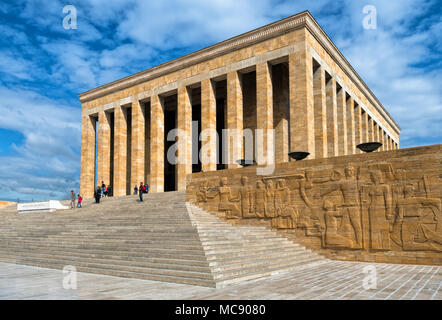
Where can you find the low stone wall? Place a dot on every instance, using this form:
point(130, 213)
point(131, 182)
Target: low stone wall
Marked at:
point(6, 203)
point(379, 207)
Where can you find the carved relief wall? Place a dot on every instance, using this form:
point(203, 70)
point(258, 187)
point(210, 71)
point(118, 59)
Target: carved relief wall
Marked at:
point(383, 207)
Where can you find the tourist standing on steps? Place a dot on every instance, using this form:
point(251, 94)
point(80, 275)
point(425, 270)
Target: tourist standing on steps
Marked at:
point(135, 190)
point(80, 200)
point(97, 195)
point(141, 191)
point(72, 199)
point(103, 188)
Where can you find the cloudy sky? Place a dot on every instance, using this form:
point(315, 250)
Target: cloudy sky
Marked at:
point(44, 66)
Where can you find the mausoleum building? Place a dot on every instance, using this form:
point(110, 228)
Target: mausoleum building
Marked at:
point(286, 78)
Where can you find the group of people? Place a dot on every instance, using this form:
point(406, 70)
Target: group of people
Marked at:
point(103, 191)
point(143, 188)
point(76, 199)
point(106, 191)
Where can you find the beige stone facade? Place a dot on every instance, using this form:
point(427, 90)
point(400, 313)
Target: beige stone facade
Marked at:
point(287, 78)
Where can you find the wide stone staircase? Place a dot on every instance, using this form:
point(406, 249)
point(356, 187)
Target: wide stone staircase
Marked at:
point(162, 239)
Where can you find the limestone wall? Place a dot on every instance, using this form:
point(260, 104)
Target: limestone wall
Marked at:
point(380, 207)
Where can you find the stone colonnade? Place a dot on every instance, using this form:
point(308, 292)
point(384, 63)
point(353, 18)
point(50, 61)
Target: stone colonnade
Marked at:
point(317, 114)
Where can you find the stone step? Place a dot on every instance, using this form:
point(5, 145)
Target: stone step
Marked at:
point(79, 260)
point(198, 256)
point(78, 264)
point(183, 260)
point(117, 243)
point(229, 262)
point(260, 274)
point(262, 268)
point(143, 234)
point(127, 248)
point(199, 261)
point(219, 251)
point(126, 274)
point(146, 242)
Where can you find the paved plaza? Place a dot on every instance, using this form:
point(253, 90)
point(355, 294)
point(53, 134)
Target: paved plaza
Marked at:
point(335, 280)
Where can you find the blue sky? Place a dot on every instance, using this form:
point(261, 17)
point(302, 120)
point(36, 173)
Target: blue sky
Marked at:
point(43, 67)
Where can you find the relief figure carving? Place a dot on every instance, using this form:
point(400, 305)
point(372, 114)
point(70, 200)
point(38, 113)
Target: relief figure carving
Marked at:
point(270, 199)
point(420, 222)
point(260, 199)
point(379, 211)
point(348, 186)
point(246, 197)
point(226, 200)
point(286, 215)
point(338, 231)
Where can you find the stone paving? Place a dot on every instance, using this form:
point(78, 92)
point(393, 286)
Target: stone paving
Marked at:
point(328, 280)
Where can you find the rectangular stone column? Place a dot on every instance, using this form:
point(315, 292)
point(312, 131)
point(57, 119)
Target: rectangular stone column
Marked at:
point(138, 144)
point(184, 121)
point(358, 126)
point(382, 140)
point(156, 144)
point(320, 113)
point(147, 144)
point(280, 79)
point(351, 126)
point(264, 113)
point(103, 157)
point(87, 174)
point(234, 119)
point(302, 124)
point(342, 123)
point(370, 129)
point(376, 134)
point(365, 128)
point(208, 126)
point(120, 152)
point(332, 119)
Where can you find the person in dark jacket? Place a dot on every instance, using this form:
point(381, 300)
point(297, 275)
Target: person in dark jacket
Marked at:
point(97, 195)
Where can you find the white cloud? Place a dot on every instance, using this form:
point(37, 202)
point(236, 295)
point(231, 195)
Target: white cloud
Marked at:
point(388, 59)
point(174, 24)
point(48, 161)
point(14, 67)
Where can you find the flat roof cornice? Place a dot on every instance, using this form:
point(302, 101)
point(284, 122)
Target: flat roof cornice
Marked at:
point(289, 24)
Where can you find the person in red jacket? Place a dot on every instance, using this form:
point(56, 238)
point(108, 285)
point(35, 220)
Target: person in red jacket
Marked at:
point(80, 200)
point(141, 191)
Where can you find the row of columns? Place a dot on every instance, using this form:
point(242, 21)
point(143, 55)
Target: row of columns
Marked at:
point(340, 124)
point(323, 120)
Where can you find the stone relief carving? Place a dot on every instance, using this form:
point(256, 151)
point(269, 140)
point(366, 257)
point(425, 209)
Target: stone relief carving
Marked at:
point(376, 197)
point(227, 203)
point(247, 198)
point(373, 207)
